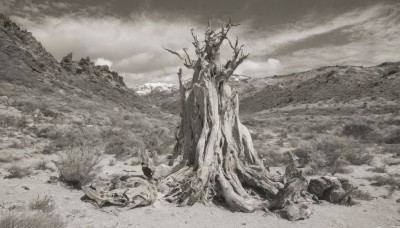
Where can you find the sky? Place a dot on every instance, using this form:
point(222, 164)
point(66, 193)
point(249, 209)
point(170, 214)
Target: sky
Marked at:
point(282, 36)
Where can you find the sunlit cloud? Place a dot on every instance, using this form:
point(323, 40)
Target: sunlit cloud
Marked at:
point(103, 61)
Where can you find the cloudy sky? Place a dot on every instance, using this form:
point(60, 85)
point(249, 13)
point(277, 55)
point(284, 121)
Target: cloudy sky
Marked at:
point(282, 36)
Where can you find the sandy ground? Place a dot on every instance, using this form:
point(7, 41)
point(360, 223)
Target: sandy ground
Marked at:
point(16, 193)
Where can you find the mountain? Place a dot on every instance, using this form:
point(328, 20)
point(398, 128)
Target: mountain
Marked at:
point(341, 83)
point(168, 88)
point(156, 87)
point(69, 103)
point(28, 69)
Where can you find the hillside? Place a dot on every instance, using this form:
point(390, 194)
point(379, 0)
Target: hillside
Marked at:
point(70, 95)
point(27, 66)
point(340, 83)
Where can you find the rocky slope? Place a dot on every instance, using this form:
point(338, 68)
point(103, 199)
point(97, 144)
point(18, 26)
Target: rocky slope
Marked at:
point(341, 83)
point(87, 69)
point(28, 71)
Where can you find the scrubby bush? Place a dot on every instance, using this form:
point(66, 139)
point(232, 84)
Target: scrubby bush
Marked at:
point(16, 171)
point(32, 220)
point(41, 165)
point(357, 157)
point(273, 158)
point(22, 123)
point(361, 195)
point(78, 166)
point(378, 169)
point(43, 203)
point(160, 140)
point(331, 154)
point(117, 146)
point(360, 131)
point(50, 132)
point(388, 180)
point(393, 137)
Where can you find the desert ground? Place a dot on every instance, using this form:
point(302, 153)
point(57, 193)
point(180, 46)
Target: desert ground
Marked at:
point(275, 131)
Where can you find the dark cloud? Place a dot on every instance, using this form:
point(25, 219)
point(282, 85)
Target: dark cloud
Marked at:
point(281, 35)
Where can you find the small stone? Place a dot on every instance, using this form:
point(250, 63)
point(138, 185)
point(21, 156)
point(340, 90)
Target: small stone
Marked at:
point(24, 187)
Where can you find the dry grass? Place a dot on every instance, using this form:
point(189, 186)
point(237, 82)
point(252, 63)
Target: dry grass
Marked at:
point(393, 137)
point(360, 131)
point(16, 171)
point(41, 165)
point(111, 162)
point(31, 220)
point(378, 169)
point(392, 181)
point(329, 153)
point(361, 195)
point(9, 158)
point(78, 166)
point(43, 203)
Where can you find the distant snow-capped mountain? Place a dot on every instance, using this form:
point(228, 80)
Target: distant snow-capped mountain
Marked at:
point(165, 87)
point(148, 88)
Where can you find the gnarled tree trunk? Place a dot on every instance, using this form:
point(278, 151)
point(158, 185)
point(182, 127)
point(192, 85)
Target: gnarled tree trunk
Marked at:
point(219, 160)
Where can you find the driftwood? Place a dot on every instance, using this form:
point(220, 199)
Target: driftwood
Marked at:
point(125, 191)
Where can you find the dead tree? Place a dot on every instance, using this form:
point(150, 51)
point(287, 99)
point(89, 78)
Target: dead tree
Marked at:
point(215, 157)
point(219, 160)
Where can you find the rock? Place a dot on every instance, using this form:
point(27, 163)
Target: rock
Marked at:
point(332, 189)
point(295, 212)
point(318, 187)
point(86, 69)
point(25, 187)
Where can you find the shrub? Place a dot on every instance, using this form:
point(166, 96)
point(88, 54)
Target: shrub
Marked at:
point(17, 172)
point(22, 123)
point(43, 204)
point(357, 157)
point(391, 148)
point(9, 158)
point(273, 158)
point(393, 137)
point(50, 132)
point(31, 220)
point(117, 146)
point(78, 166)
point(111, 162)
point(41, 165)
point(360, 131)
point(361, 195)
point(332, 154)
point(389, 180)
point(378, 169)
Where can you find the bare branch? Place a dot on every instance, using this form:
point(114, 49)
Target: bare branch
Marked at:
point(174, 53)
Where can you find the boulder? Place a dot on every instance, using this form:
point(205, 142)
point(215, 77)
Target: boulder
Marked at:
point(332, 189)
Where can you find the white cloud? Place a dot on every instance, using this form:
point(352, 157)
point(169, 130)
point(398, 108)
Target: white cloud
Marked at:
point(133, 46)
point(103, 61)
point(258, 68)
point(270, 41)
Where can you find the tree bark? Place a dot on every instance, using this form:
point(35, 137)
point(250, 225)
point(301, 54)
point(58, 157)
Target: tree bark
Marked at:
point(219, 160)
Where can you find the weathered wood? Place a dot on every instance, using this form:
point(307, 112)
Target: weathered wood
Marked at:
point(218, 157)
point(126, 191)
